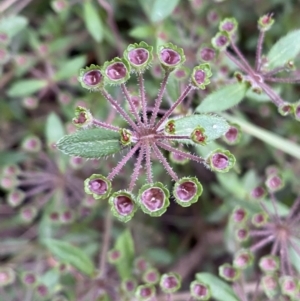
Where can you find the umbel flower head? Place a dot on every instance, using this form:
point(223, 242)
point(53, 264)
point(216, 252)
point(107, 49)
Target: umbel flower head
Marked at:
point(147, 135)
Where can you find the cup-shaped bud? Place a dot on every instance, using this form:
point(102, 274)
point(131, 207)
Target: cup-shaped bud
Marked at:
point(270, 285)
point(113, 256)
point(200, 76)
point(98, 186)
point(200, 290)
point(198, 136)
point(32, 144)
point(59, 5)
point(91, 77)
point(242, 234)
point(170, 283)
point(141, 265)
point(170, 56)
point(187, 191)
point(116, 71)
point(265, 22)
point(258, 193)
point(145, 292)
point(207, 54)
point(28, 213)
point(289, 285)
point(243, 259)
point(239, 215)
point(123, 205)
point(15, 197)
point(296, 110)
point(220, 41)
point(67, 216)
point(233, 135)
point(154, 199)
point(151, 276)
point(181, 73)
point(76, 162)
point(139, 56)
point(228, 272)
point(260, 219)
point(274, 182)
point(8, 182)
point(29, 278)
point(228, 25)
point(30, 102)
point(220, 160)
point(128, 286)
point(269, 264)
point(170, 127)
point(11, 170)
point(42, 290)
point(286, 109)
point(126, 137)
point(83, 117)
point(7, 276)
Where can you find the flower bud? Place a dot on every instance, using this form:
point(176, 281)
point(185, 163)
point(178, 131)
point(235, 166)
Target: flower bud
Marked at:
point(187, 191)
point(154, 199)
point(259, 219)
point(170, 127)
point(42, 290)
point(239, 77)
point(289, 286)
point(285, 109)
point(220, 160)
point(170, 56)
point(220, 41)
point(116, 71)
point(269, 264)
point(239, 215)
point(67, 216)
point(151, 276)
point(15, 197)
point(228, 272)
point(199, 290)
point(139, 56)
point(126, 137)
point(207, 54)
point(242, 234)
point(229, 25)
point(30, 102)
point(11, 170)
point(170, 283)
point(233, 135)
point(177, 158)
point(198, 136)
point(274, 182)
point(83, 118)
point(265, 22)
point(296, 110)
point(243, 259)
point(8, 182)
point(7, 276)
point(141, 265)
point(181, 73)
point(213, 17)
point(91, 77)
point(128, 286)
point(29, 278)
point(123, 205)
point(76, 162)
point(97, 185)
point(32, 144)
point(145, 292)
point(28, 214)
point(54, 216)
point(113, 256)
point(59, 5)
point(258, 193)
point(270, 285)
point(200, 76)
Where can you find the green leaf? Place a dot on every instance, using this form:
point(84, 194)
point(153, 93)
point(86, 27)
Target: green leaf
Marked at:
point(26, 87)
point(11, 157)
point(263, 97)
point(293, 255)
point(157, 10)
point(12, 25)
point(92, 21)
point(285, 49)
point(142, 32)
point(90, 143)
point(125, 245)
point(70, 254)
point(223, 99)
point(70, 68)
point(220, 290)
point(213, 125)
point(54, 128)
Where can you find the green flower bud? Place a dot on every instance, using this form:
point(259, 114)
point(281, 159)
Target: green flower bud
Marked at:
point(200, 76)
point(7, 276)
point(91, 77)
point(220, 160)
point(126, 137)
point(229, 25)
point(200, 290)
point(270, 285)
point(170, 283)
point(228, 272)
point(97, 185)
point(83, 118)
point(198, 136)
point(151, 276)
point(285, 109)
point(265, 22)
point(116, 71)
point(274, 182)
point(243, 259)
point(259, 219)
point(145, 292)
point(233, 135)
point(221, 41)
point(289, 286)
point(269, 264)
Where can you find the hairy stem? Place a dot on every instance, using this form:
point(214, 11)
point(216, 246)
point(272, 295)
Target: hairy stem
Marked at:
point(137, 168)
point(148, 163)
point(105, 125)
point(259, 50)
point(143, 97)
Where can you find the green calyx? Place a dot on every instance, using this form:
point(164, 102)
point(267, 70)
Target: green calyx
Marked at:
point(265, 22)
point(116, 71)
point(228, 272)
point(98, 186)
point(83, 117)
point(200, 290)
point(233, 135)
point(123, 205)
point(187, 191)
point(170, 56)
point(91, 77)
point(200, 76)
point(126, 137)
point(198, 136)
point(229, 25)
point(154, 199)
point(170, 283)
point(243, 259)
point(220, 41)
point(259, 219)
point(139, 56)
point(269, 264)
point(220, 160)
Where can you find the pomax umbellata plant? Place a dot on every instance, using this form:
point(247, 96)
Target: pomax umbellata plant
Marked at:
point(148, 132)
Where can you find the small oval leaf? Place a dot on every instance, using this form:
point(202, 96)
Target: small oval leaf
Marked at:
point(220, 290)
point(285, 49)
point(70, 254)
point(90, 143)
point(223, 99)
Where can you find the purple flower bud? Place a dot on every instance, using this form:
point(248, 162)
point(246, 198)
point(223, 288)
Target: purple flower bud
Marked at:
point(242, 234)
point(145, 292)
point(274, 182)
point(212, 17)
point(141, 265)
point(170, 283)
point(259, 219)
point(30, 102)
point(67, 216)
point(116, 71)
point(138, 56)
point(42, 290)
point(7, 276)
point(92, 78)
point(170, 57)
point(64, 98)
point(289, 285)
point(239, 215)
point(15, 197)
point(228, 25)
point(54, 216)
point(28, 214)
point(269, 264)
point(207, 54)
point(29, 278)
point(59, 5)
point(265, 22)
point(114, 255)
point(32, 144)
point(198, 136)
point(8, 182)
point(76, 162)
point(220, 41)
point(200, 291)
point(4, 38)
point(98, 186)
point(243, 259)
point(233, 135)
point(128, 286)
point(151, 276)
point(270, 285)
point(258, 192)
point(221, 160)
point(228, 272)
point(200, 76)
point(178, 159)
point(285, 109)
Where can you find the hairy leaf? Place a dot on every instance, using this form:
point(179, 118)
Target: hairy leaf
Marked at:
point(220, 290)
point(26, 87)
point(90, 143)
point(70, 254)
point(12, 25)
point(214, 126)
point(223, 99)
point(284, 49)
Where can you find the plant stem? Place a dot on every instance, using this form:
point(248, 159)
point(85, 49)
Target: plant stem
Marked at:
point(105, 125)
point(259, 50)
point(143, 97)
